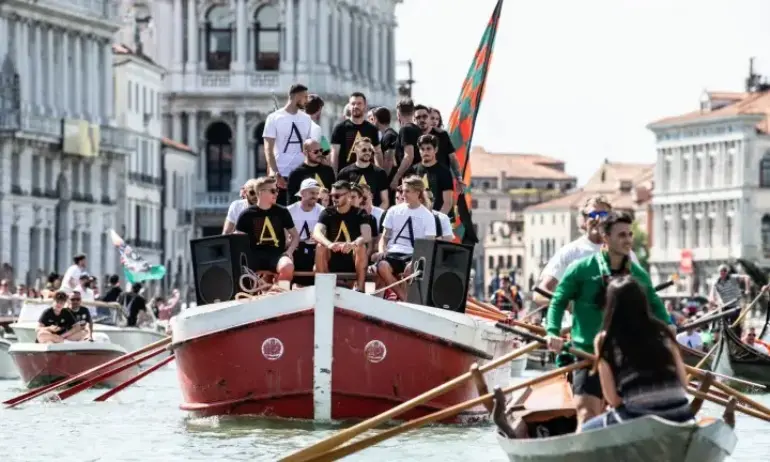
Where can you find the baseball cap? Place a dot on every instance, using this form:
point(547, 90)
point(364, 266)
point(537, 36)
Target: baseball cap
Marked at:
point(307, 183)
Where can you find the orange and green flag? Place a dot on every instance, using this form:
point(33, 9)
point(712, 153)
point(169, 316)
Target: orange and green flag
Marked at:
point(463, 121)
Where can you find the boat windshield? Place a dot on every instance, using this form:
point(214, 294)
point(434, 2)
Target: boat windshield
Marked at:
point(31, 310)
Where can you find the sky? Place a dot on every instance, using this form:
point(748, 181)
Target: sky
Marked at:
point(580, 80)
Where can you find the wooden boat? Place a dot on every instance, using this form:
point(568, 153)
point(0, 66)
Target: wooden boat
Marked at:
point(540, 425)
point(736, 359)
point(692, 357)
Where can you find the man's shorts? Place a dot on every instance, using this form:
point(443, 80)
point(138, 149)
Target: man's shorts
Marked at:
point(397, 261)
point(583, 383)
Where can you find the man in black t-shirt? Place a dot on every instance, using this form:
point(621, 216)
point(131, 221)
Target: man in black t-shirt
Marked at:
point(446, 150)
point(312, 167)
point(364, 172)
point(133, 304)
point(347, 132)
point(436, 177)
point(82, 314)
point(341, 235)
point(57, 324)
point(407, 153)
point(267, 225)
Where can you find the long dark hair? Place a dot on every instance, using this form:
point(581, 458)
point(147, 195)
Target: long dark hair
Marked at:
point(631, 329)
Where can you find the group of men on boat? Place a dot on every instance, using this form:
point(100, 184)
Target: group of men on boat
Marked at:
point(356, 206)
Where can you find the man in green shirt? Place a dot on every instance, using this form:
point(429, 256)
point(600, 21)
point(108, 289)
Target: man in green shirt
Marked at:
point(584, 283)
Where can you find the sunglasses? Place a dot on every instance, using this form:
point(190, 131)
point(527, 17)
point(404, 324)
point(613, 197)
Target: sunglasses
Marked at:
point(315, 151)
point(75, 299)
point(338, 195)
point(366, 151)
point(420, 117)
point(271, 190)
point(596, 214)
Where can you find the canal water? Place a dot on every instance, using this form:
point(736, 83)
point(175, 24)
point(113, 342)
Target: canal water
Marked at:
point(143, 423)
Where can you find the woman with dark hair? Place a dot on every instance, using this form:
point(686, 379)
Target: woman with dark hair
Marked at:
point(638, 361)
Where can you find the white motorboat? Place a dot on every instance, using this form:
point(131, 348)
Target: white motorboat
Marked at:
point(8, 369)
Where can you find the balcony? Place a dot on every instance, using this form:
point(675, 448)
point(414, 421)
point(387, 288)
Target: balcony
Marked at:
point(103, 10)
point(117, 140)
point(143, 178)
point(214, 201)
point(25, 124)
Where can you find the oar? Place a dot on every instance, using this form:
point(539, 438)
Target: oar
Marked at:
point(340, 452)
point(719, 400)
point(735, 379)
point(107, 374)
point(32, 394)
point(105, 396)
point(711, 318)
point(350, 433)
point(746, 310)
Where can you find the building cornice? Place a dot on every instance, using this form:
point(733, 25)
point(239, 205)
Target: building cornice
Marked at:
point(751, 119)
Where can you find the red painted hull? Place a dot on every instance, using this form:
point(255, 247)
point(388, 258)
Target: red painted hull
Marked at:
point(227, 373)
point(45, 367)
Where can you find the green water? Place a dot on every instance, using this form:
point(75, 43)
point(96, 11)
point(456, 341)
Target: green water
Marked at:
point(143, 423)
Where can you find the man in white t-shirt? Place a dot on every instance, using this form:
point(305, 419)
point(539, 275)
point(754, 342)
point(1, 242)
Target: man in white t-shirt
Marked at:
point(248, 197)
point(690, 339)
point(594, 210)
point(71, 278)
point(403, 224)
point(285, 132)
point(305, 214)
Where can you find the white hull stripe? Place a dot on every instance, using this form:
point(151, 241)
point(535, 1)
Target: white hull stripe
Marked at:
point(323, 333)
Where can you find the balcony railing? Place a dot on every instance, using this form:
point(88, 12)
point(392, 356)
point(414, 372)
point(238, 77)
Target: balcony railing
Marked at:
point(98, 9)
point(214, 200)
point(25, 122)
point(117, 140)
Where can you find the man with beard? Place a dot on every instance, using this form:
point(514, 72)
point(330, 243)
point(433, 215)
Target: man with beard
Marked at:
point(341, 235)
point(364, 172)
point(350, 130)
point(314, 108)
point(285, 133)
point(238, 206)
point(436, 177)
point(406, 146)
point(585, 285)
point(313, 167)
point(305, 214)
point(268, 224)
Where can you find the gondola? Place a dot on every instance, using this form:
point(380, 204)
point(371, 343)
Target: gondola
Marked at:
point(539, 427)
point(736, 359)
point(692, 357)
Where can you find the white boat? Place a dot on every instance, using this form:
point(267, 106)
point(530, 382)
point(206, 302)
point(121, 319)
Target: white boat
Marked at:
point(8, 369)
point(130, 338)
point(518, 366)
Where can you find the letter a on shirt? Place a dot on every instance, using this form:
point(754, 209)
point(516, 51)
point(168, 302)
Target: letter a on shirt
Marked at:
point(344, 233)
point(351, 153)
point(294, 138)
point(268, 233)
point(406, 232)
point(304, 232)
point(362, 180)
point(320, 182)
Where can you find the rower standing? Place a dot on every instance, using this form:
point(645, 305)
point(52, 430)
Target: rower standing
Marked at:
point(727, 289)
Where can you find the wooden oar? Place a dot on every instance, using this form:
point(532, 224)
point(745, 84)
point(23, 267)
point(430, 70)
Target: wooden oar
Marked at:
point(109, 393)
point(350, 433)
point(340, 452)
point(746, 310)
point(107, 374)
point(32, 394)
point(719, 400)
point(735, 379)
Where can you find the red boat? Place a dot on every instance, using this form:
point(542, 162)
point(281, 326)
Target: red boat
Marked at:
point(326, 353)
point(45, 363)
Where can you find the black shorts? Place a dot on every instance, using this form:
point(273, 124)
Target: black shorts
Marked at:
point(397, 261)
point(266, 260)
point(304, 260)
point(583, 383)
point(342, 262)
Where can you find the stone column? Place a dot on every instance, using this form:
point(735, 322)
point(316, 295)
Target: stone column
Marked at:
point(192, 38)
point(3, 33)
point(241, 150)
point(176, 126)
point(334, 51)
point(109, 97)
point(64, 69)
point(22, 44)
point(89, 87)
point(347, 22)
point(304, 26)
point(37, 54)
point(376, 51)
point(241, 35)
point(52, 74)
point(324, 26)
point(176, 24)
point(77, 84)
point(290, 31)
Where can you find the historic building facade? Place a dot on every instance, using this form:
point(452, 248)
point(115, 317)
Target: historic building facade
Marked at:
point(230, 63)
point(61, 156)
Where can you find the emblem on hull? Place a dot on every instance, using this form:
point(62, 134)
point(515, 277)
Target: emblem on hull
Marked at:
point(375, 351)
point(272, 349)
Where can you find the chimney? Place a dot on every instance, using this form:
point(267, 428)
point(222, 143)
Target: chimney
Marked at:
point(501, 181)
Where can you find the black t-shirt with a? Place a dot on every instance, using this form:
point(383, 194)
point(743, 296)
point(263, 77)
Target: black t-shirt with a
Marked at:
point(445, 148)
point(323, 174)
point(438, 179)
point(266, 228)
point(389, 140)
point(343, 227)
point(371, 175)
point(65, 320)
point(82, 314)
point(345, 135)
point(408, 136)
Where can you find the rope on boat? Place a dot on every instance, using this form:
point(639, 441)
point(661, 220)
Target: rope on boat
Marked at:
point(259, 288)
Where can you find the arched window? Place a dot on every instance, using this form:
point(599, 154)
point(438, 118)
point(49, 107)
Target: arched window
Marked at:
point(766, 236)
point(219, 38)
point(259, 151)
point(267, 39)
point(764, 171)
point(219, 157)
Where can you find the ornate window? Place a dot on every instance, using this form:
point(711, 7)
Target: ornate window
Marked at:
point(764, 171)
point(766, 236)
point(219, 157)
point(267, 39)
point(219, 38)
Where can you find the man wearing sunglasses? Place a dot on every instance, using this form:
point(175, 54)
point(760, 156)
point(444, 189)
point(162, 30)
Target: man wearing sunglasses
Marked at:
point(313, 167)
point(363, 171)
point(595, 209)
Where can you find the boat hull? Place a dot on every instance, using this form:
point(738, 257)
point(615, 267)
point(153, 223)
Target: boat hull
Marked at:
point(736, 359)
point(639, 440)
point(8, 369)
point(278, 361)
point(42, 364)
point(693, 357)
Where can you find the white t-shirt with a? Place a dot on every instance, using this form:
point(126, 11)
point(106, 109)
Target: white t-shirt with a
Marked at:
point(235, 210)
point(693, 340)
point(305, 221)
point(289, 132)
point(71, 278)
point(406, 225)
point(575, 250)
point(377, 214)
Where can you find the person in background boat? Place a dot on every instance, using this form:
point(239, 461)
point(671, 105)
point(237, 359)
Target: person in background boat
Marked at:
point(133, 304)
point(57, 324)
point(166, 307)
point(52, 285)
point(402, 225)
point(84, 287)
point(114, 290)
point(594, 210)
point(443, 223)
point(691, 339)
point(341, 234)
point(585, 284)
point(236, 208)
point(305, 214)
point(71, 278)
point(677, 318)
point(313, 168)
point(271, 230)
point(82, 314)
point(727, 289)
point(638, 361)
point(751, 340)
point(507, 297)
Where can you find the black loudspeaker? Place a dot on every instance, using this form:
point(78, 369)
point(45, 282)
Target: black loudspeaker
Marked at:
point(446, 270)
point(218, 263)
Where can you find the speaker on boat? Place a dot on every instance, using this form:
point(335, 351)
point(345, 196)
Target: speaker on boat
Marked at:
point(445, 271)
point(218, 263)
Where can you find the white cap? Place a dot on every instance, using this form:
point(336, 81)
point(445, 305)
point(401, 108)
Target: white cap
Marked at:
point(307, 183)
